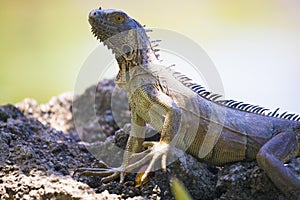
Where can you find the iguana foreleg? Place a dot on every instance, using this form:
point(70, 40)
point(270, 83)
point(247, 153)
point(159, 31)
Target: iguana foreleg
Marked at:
point(271, 157)
point(148, 100)
point(134, 143)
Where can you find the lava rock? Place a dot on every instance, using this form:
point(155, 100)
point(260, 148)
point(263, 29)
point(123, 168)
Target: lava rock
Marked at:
point(42, 145)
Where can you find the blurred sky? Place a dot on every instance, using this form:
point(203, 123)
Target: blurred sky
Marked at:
point(254, 44)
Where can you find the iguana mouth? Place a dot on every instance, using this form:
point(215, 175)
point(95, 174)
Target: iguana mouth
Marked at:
point(107, 23)
point(101, 29)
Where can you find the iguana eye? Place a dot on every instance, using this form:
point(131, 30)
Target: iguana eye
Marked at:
point(119, 18)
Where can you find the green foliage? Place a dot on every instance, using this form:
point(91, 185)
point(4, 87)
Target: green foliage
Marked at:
point(179, 190)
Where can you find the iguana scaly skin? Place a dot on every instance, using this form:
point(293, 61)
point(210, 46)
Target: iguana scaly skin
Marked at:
point(186, 116)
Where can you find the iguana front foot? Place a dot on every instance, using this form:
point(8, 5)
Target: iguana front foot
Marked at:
point(158, 150)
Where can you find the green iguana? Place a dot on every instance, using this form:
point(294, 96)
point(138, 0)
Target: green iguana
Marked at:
point(188, 117)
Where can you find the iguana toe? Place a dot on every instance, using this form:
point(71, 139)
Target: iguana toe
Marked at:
point(159, 150)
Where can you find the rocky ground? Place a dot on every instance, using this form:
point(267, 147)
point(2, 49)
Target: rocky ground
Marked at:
point(42, 145)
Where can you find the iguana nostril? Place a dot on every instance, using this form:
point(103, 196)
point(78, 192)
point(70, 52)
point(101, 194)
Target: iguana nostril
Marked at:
point(94, 13)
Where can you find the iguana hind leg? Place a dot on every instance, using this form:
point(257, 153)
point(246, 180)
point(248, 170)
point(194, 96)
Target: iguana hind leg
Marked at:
point(271, 158)
point(110, 173)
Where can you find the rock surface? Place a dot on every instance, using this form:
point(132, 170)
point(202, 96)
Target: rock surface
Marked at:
point(41, 146)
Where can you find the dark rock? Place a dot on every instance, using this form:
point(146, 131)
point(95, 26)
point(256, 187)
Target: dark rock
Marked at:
point(245, 180)
point(9, 112)
point(57, 113)
point(42, 145)
point(36, 161)
point(93, 115)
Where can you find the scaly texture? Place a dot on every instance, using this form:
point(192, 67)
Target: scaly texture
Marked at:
point(187, 116)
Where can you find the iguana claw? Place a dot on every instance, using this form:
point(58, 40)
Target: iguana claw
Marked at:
point(158, 149)
point(107, 173)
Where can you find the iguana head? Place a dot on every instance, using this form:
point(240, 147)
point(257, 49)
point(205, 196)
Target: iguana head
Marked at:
point(119, 32)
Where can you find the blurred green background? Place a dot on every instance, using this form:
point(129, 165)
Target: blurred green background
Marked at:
point(254, 44)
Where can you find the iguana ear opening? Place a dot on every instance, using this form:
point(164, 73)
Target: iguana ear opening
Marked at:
point(127, 52)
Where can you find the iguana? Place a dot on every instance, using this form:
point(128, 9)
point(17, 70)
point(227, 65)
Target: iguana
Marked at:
point(188, 117)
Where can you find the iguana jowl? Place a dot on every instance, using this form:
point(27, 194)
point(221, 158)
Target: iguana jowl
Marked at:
point(213, 130)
